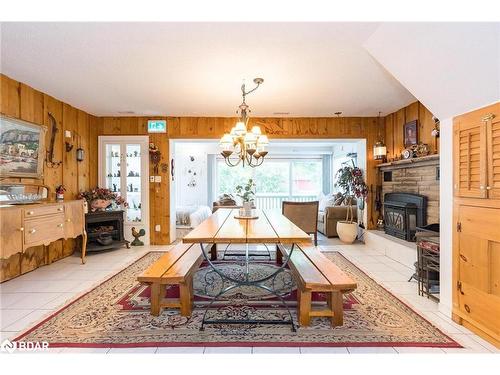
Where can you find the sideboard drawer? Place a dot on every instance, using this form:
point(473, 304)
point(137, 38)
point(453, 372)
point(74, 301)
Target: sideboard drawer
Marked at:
point(43, 230)
point(42, 210)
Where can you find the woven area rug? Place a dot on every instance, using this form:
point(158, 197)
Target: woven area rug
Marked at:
point(116, 314)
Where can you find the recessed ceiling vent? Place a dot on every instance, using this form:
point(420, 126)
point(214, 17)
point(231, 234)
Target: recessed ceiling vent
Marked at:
point(126, 112)
point(281, 113)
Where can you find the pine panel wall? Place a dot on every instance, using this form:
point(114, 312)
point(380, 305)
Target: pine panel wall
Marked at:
point(23, 102)
point(394, 128)
point(213, 128)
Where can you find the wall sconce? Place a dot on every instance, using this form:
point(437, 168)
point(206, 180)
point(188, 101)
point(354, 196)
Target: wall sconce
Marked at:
point(80, 152)
point(69, 140)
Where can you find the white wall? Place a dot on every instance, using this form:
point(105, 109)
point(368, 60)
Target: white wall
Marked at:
point(446, 213)
point(191, 195)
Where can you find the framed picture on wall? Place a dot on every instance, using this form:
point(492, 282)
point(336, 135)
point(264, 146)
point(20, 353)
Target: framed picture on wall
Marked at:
point(410, 133)
point(22, 148)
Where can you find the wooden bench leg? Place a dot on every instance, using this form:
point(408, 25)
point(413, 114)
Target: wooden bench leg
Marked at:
point(213, 252)
point(279, 256)
point(335, 302)
point(185, 298)
point(304, 307)
point(155, 298)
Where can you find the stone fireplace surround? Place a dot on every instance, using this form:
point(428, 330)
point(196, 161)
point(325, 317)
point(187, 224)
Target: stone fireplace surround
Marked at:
point(418, 176)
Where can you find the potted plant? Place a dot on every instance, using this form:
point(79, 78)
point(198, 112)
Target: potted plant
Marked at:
point(99, 199)
point(246, 193)
point(351, 182)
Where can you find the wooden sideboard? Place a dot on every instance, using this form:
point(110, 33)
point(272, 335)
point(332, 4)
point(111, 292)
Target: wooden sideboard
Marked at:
point(476, 240)
point(25, 226)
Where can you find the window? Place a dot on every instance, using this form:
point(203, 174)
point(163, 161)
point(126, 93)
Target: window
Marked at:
point(287, 178)
point(307, 177)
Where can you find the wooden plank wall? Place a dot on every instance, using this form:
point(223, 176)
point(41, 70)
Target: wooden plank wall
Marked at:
point(23, 102)
point(213, 128)
point(394, 127)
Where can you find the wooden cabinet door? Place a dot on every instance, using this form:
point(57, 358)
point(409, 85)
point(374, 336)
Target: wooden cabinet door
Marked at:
point(470, 173)
point(73, 219)
point(479, 267)
point(493, 142)
point(11, 232)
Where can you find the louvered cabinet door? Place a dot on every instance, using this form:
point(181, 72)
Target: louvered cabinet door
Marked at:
point(470, 157)
point(493, 141)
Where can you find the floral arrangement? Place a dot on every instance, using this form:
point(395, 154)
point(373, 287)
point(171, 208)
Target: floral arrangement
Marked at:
point(60, 189)
point(246, 192)
point(102, 194)
point(350, 180)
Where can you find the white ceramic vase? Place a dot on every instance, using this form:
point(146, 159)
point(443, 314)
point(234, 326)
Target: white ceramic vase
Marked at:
point(347, 231)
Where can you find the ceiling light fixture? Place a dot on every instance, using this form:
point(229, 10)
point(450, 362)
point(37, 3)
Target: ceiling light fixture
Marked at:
point(249, 147)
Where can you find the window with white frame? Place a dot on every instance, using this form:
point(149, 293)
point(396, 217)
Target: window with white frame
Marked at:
point(285, 178)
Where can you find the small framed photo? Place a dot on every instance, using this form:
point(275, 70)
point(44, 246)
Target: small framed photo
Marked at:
point(410, 133)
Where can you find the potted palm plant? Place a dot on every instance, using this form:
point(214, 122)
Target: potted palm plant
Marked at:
point(352, 185)
point(246, 193)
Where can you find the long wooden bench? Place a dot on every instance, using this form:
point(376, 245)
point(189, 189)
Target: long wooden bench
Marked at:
point(176, 266)
point(314, 272)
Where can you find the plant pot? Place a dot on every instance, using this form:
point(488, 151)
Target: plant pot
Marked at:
point(347, 231)
point(247, 207)
point(99, 204)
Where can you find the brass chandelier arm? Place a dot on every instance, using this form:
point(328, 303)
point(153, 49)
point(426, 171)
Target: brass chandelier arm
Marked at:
point(228, 161)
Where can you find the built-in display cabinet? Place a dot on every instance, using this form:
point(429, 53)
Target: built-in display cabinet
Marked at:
point(124, 169)
point(476, 243)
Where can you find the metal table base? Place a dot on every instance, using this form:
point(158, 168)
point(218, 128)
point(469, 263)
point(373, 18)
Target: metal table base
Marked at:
point(247, 282)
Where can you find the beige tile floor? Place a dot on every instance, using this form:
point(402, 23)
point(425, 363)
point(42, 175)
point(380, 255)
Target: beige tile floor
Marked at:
point(29, 298)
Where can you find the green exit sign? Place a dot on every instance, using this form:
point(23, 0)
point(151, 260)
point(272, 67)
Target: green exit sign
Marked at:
point(157, 126)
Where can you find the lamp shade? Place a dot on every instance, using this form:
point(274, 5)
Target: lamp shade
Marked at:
point(263, 140)
point(256, 130)
point(240, 128)
point(379, 150)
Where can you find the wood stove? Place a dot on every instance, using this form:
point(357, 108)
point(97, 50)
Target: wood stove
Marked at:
point(105, 230)
point(403, 213)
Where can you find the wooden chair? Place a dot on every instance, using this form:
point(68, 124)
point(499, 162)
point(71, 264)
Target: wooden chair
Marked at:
point(313, 272)
point(175, 267)
point(304, 215)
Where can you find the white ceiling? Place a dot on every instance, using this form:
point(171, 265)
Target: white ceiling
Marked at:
point(452, 68)
point(195, 69)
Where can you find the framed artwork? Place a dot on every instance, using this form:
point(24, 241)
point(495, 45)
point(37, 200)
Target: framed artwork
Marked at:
point(410, 133)
point(22, 148)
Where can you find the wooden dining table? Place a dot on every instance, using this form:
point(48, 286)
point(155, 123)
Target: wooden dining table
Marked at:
point(267, 227)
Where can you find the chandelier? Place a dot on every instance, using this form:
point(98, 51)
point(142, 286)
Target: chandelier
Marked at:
point(243, 146)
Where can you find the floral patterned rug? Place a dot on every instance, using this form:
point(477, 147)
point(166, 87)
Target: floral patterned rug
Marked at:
point(116, 314)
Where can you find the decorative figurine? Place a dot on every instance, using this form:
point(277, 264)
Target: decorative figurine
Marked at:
point(135, 153)
point(114, 188)
point(136, 241)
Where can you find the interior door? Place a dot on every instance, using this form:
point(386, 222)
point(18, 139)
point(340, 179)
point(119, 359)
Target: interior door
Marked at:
point(470, 157)
point(479, 267)
point(493, 141)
